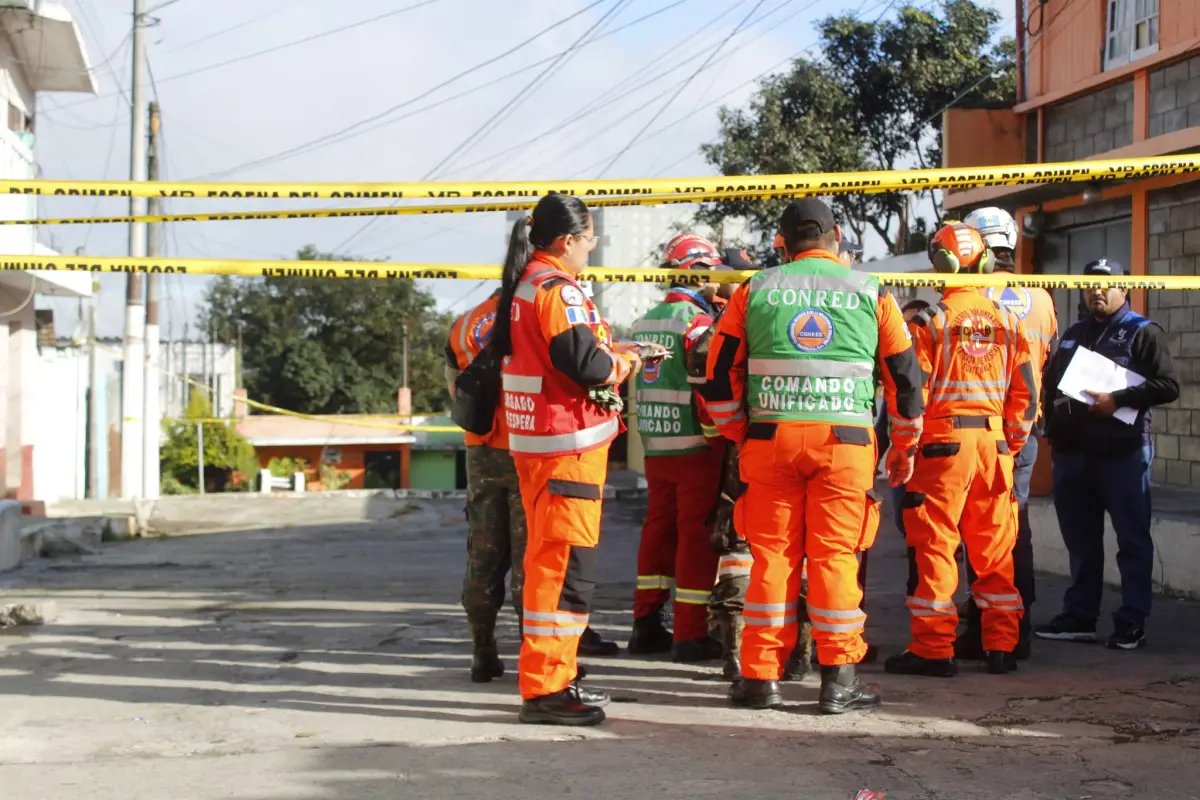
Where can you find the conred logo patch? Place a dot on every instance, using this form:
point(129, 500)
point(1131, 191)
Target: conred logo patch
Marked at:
point(651, 371)
point(1016, 299)
point(482, 332)
point(811, 330)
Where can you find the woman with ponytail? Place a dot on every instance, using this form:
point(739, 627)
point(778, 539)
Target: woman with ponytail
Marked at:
point(556, 349)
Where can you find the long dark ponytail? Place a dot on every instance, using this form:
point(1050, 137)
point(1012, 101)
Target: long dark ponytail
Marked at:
point(555, 215)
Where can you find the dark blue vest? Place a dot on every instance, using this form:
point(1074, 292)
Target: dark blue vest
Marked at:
point(1071, 425)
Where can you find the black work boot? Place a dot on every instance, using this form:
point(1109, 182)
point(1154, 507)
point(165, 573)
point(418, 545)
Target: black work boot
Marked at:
point(1001, 663)
point(485, 663)
point(732, 626)
point(650, 635)
point(842, 691)
point(753, 693)
point(592, 643)
point(909, 663)
point(591, 697)
point(800, 662)
point(693, 650)
point(561, 708)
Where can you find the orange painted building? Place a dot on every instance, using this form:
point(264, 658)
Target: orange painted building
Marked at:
point(1104, 79)
point(367, 450)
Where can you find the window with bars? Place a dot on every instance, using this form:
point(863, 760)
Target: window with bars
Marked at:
point(1131, 31)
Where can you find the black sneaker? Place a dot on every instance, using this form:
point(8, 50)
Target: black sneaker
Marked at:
point(1127, 637)
point(1067, 629)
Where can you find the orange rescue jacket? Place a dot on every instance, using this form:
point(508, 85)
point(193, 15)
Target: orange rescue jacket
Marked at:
point(469, 334)
point(560, 348)
point(975, 354)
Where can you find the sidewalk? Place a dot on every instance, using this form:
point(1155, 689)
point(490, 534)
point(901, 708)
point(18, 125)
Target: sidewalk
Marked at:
point(328, 661)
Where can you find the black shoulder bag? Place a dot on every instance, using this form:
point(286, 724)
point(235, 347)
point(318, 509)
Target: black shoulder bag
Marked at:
point(477, 392)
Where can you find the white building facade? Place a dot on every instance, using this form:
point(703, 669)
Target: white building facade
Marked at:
point(61, 409)
point(41, 50)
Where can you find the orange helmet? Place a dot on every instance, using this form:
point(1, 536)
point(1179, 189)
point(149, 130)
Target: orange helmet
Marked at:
point(958, 247)
point(688, 251)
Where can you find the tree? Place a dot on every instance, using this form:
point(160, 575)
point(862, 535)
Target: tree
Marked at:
point(872, 100)
point(226, 453)
point(331, 345)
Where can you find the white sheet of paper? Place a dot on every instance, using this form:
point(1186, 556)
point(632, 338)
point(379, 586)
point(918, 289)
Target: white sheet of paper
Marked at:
point(1089, 370)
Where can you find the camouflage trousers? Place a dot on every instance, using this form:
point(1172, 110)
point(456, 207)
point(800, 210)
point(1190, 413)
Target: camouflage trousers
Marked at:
point(729, 600)
point(495, 542)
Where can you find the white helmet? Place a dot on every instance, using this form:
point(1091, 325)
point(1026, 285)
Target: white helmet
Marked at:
point(995, 225)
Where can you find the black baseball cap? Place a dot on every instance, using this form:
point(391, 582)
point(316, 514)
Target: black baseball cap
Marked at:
point(1103, 266)
point(803, 215)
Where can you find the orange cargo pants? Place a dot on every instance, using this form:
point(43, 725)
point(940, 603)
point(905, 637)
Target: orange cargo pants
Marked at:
point(961, 490)
point(808, 496)
point(562, 498)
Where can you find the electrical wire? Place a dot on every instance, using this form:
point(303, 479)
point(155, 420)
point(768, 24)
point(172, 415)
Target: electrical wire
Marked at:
point(713, 54)
point(605, 100)
point(363, 126)
point(524, 93)
point(504, 109)
point(283, 46)
point(236, 26)
point(595, 134)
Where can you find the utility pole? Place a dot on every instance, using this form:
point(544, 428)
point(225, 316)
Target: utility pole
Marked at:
point(151, 478)
point(133, 378)
point(97, 428)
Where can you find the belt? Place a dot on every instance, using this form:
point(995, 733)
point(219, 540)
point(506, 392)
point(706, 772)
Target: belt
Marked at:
point(984, 422)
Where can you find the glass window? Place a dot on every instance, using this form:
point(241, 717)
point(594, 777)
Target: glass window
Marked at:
point(1132, 31)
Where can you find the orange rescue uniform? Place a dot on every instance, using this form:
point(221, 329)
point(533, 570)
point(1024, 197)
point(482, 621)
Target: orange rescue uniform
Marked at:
point(809, 491)
point(980, 408)
point(559, 441)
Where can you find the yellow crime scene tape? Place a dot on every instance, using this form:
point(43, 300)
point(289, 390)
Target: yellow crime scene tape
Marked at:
point(390, 271)
point(363, 421)
point(730, 187)
point(379, 211)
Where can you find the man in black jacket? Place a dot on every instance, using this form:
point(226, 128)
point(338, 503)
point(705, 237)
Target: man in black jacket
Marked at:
point(1103, 464)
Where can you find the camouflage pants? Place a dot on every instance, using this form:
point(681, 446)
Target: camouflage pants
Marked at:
point(495, 542)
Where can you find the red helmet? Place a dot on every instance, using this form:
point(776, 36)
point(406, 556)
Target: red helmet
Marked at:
point(689, 251)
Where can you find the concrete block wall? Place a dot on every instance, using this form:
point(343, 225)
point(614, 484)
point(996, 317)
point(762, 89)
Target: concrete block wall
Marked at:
point(1095, 123)
point(1174, 249)
point(1175, 97)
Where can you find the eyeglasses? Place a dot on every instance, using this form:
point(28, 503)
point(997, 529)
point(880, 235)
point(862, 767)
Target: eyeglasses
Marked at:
point(589, 239)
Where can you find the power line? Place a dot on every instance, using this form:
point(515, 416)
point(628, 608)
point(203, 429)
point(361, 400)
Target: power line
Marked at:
point(524, 94)
point(364, 125)
point(605, 100)
point(284, 46)
point(692, 77)
point(717, 101)
point(520, 97)
point(595, 134)
point(231, 28)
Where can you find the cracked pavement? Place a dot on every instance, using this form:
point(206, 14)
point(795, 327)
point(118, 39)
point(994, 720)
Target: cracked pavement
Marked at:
point(328, 661)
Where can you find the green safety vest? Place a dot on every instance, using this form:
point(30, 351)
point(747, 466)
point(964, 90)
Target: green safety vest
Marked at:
point(666, 411)
point(812, 337)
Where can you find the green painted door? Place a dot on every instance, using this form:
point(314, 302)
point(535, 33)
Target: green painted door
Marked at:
point(433, 470)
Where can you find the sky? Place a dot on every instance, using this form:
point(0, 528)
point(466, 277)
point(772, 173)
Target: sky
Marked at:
point(371, 98)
